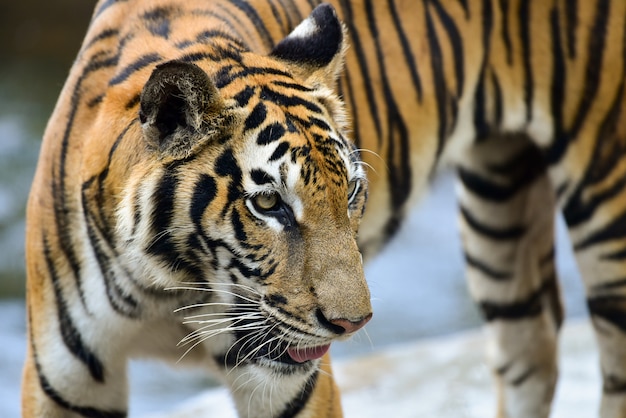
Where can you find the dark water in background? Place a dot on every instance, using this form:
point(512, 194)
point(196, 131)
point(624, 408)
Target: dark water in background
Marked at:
point(38, 41)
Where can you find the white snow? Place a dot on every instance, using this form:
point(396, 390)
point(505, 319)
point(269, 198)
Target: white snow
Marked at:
point(442, 377)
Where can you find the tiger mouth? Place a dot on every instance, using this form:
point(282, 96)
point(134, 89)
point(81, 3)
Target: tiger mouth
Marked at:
point(290, 355)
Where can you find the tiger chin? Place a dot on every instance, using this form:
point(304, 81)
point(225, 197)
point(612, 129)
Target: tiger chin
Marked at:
point(197, 200)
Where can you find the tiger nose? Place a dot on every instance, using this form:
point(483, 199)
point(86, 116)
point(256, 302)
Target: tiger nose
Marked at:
point(349, 326)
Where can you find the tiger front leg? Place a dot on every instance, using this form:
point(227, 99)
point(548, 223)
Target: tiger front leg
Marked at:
point(507, 225)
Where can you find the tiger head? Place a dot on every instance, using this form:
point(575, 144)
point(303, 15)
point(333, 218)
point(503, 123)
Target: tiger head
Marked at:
point(249, 201)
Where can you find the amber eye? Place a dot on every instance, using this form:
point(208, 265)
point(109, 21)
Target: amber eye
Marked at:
point(353, 186)
point(266, 201)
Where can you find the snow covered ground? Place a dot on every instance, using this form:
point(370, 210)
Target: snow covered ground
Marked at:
point(444, 377)
point(411, 362)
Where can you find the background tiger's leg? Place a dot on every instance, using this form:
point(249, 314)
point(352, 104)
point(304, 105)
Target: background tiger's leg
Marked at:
point(507, 230)
point(596, 218)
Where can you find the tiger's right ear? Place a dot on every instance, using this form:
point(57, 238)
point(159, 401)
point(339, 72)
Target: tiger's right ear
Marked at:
point(180, 110)
point(315, 49)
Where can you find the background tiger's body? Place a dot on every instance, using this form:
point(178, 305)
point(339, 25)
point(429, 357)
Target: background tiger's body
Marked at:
point(525, 97)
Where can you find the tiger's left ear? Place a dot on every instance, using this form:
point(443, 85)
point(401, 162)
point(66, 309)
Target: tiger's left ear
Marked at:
point(315, 49)
point(180, 110)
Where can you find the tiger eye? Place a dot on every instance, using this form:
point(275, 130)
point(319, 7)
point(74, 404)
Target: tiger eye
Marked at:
point(266, 201)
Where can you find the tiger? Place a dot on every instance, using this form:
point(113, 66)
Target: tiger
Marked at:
point(523, 99)
point(196, 199)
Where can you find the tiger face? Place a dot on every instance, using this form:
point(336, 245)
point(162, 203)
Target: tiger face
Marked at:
point(248, 208)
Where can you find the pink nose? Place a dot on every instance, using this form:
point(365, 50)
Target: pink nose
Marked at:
point(351, 326)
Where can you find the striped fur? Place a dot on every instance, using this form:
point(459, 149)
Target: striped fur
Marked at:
point(196, 198)
point(525, 98)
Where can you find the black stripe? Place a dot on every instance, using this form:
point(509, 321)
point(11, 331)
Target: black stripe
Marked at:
point(257, 22)
point(162, 214)
point(611, 308)
point(260, 177)
point(486, 269)
point(271, 133)
point(485, 189)
point(233, 32)
point(244, 96)
point(293, 14)
point(104, 6)
point(98, 200)
point(579, 209)
point(85, 411)
point(204, 192)
point(71, 336)
point(105, 34)
point(296, 405)
point(280, 150)
point(134, 101)
point(288, 9)
point(506, 37)
point(500, 234)
point(363, 66)
point(63, 228)
point(610, 284)
point(481, 124)
point(277, 17)
point(557, 98)
point(207, 36)
point(158, 21)
point(613, 385)
point(456, 43)
point(613, 231)
point(465, 8)
point(397, 135)
point(133, 67)
point(409, 58)
point(226, 166)
point(618, 255)
point(483, 130)
point(437, 68)
point(519, 380)
point(571, 24)
point(609, 149)
point(524, 34)
point(224, 77)
point(95, 101)
point(292, 86)
point(238, 228)
point(256, 117)
point(498, 103)
point(529, 307)
point(120, 300)
point(285, 100)
point(593, 68)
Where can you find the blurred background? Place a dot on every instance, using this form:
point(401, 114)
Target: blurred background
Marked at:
point(417, 283)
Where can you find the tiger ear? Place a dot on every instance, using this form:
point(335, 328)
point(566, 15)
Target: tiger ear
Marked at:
point(180, 110)
point(315, 49)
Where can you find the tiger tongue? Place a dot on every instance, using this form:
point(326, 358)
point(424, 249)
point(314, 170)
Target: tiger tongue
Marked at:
point(306, 354)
